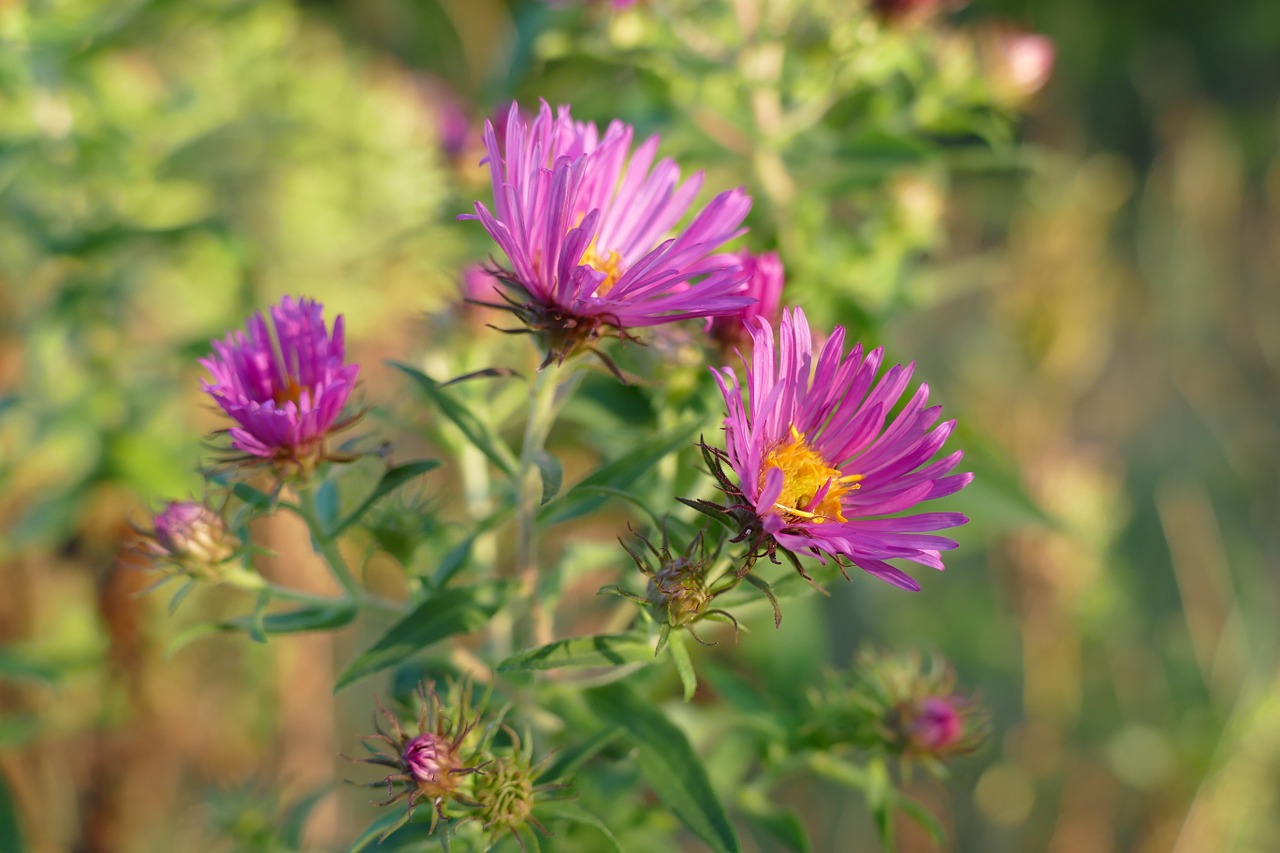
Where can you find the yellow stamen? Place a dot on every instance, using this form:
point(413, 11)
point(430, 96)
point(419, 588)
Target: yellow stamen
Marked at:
point(608, 264)
point(805, 473)
point(291, 392)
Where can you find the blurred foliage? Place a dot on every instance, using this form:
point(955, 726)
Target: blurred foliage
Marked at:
point(1098, 308)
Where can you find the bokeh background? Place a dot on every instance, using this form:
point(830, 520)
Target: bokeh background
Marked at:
point(1086, 273)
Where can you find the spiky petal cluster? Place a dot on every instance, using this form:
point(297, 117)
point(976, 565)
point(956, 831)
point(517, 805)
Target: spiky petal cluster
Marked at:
point(765, 278)
point(821, 467)
point(587, 226)
point(509, 790)
point(285, 392)
point(680, 590)
point(430, 766)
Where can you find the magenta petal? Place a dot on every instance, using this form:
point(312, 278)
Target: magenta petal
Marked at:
point(882, 468)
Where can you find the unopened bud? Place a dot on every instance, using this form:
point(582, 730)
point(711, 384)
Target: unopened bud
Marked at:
point(193, 539)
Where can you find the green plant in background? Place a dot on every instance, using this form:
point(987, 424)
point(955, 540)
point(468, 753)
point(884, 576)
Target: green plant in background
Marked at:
point(213, 172)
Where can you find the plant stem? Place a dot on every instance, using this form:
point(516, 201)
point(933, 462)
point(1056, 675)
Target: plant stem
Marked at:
point(541, 415)
point(326, 546)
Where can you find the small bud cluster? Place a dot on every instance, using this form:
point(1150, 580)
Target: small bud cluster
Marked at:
point(899, 703)
point(453, 764)
point(680, 589)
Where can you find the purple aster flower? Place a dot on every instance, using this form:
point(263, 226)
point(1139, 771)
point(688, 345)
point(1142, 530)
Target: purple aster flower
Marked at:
point(765, 278)
point(822, 468)
point(589, 229)
point(285, 391)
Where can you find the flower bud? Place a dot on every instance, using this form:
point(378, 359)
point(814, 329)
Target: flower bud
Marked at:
point(431, 765)
point(193, 539)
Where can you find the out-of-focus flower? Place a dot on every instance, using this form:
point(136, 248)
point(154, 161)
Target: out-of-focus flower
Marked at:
point(589, 230)
point(899, 703)
point(765, 278)
point(448, 108)
point(285, 392)
point(191, 539)
point(433, 765)
point(1018, 63)
point(819, 468)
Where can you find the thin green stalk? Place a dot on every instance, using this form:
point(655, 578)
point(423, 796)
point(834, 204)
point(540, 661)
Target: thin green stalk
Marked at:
point(541, 415)
point(326, 546)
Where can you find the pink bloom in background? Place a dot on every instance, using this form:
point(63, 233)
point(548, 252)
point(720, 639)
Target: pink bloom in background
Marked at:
point(937, 726)
point(765, 278)
point(589, 229)
point(821, 468)
point(285, 393)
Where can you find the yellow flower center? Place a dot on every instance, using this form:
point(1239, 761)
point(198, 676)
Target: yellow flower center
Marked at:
point(805, 473)
point(291, 392)
point(607, 264)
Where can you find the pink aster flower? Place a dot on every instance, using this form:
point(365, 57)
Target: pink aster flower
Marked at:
point(589, 229)
point(765, 278)
point(821, 468)
point(285, 391)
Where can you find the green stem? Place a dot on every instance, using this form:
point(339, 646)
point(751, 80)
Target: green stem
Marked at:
point(326, 546)
point(541, 415)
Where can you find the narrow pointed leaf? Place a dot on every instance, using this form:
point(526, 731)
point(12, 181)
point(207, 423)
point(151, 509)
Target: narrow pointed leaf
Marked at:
point(317, 617)
point(574, 813)
point(454, 611)
point(393, 479)
point(621, 473)
point(380, 828)
point(782, 824)
point(668, 763)
point(255, 498)
point(601, 650)
point(552, 474)
point(684, 665)
point(567, 761)
point(476, 431)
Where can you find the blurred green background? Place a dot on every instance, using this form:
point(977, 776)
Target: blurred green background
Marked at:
point(1098, 306)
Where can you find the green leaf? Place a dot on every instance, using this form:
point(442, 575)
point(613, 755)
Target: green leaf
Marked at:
point(328, 503)
point(393, 479)
point(255, 498)
point(454, 611)
point(711, 511)
point(600, 650)
point(574, 813)
point(926, 821)
point(567, 761)
point(10, 827)
point(783, 824)
point(620, 474)
point(476, 431)
point(667, 762)
point(684, 664)
point(380, 828)
point(295, 819)
point(310, 618)
point(552, 474)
